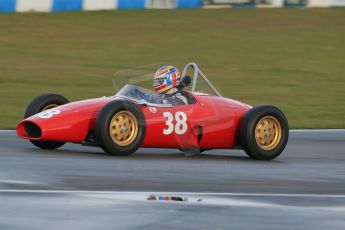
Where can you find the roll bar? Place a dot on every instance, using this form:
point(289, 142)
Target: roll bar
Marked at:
point(198, 72)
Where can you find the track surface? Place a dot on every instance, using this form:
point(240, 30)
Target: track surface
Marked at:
point(304, 188)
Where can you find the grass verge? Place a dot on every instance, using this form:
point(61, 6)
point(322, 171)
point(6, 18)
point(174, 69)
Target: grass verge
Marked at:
point(291, 58)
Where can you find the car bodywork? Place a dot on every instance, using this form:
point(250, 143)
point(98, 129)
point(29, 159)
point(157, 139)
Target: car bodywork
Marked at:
point(212, 121)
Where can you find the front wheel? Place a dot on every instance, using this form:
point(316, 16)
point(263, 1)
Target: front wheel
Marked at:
point(264, 132)
point(40, 103)
point(120, 128)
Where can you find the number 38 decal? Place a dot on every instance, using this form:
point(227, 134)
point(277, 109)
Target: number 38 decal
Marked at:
point(48, 113)
point(180, 127)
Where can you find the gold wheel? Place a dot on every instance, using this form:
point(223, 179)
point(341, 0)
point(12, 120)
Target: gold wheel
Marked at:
point(123, 128)
point(268, 133)
point(50, 106)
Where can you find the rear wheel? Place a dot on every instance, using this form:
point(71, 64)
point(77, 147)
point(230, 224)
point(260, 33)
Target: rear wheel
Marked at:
point(40, 103)
point(120, 128)
point(264, 132)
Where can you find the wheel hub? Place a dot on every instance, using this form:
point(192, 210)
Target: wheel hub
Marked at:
point(123, 128)
point(50, 106)
point(268, 133)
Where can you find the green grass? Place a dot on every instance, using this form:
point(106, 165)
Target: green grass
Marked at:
point(291, 58)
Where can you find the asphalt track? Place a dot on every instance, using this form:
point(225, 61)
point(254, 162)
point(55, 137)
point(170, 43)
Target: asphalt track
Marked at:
point(79, 187)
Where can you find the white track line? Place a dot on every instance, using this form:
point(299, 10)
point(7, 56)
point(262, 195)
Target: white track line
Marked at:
point(17, 182)
point(174, 193)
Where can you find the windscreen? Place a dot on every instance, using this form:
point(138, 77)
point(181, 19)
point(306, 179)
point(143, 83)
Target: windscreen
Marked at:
point(140, 80)
point(141, 76)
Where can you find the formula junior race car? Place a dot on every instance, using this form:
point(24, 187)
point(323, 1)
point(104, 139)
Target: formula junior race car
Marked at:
point(133, 118)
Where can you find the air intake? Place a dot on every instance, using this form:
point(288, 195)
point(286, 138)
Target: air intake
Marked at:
point(32, 130)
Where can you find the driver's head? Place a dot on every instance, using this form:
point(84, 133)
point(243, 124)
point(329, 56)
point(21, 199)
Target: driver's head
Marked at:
point(167, 77)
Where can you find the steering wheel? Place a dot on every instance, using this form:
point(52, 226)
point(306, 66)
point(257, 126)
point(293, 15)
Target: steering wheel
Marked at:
point(185, 82)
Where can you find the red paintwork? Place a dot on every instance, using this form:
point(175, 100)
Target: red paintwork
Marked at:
point(219, 118)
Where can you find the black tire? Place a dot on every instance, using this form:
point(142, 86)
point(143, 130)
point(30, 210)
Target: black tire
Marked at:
point(40, 103)
point(102, 129)
point(269, 144)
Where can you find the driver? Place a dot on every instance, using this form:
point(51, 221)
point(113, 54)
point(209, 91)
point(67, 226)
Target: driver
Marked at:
point(166, 81)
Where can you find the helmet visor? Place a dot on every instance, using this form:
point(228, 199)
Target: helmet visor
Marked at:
point(158, 81)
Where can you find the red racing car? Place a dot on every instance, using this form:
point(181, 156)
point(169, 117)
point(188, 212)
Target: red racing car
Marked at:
point(132, 118)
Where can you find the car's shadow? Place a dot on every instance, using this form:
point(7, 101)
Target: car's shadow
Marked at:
point(179, 155)
point(149, 154)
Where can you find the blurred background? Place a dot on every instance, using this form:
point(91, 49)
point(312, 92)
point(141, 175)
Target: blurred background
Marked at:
point(289, 53)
